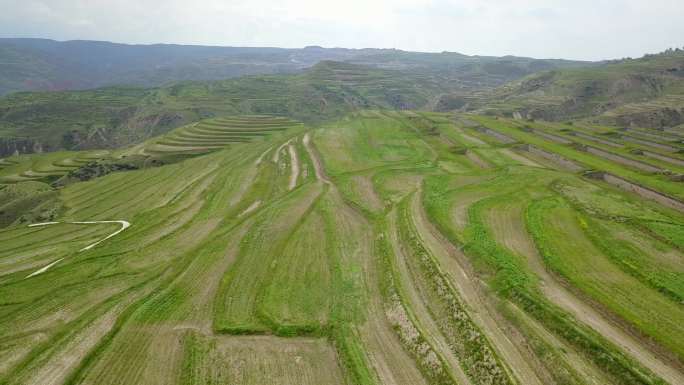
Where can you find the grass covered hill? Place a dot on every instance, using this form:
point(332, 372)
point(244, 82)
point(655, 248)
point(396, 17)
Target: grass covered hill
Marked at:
point(648, 92)
point(118, 116)
point(381, 247)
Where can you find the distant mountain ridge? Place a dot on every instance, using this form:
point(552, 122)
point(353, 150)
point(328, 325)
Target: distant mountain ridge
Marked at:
point(111, 117)
point(44, 65)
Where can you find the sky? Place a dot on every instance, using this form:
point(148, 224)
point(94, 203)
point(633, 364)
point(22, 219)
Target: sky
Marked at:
point(570, 29)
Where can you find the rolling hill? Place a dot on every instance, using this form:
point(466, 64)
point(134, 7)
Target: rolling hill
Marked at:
point(117, 116)
point(646, 92)
point(378, 247)
point(41, 64)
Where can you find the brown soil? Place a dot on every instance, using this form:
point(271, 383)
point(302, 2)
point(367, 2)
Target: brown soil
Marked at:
point(510, 231)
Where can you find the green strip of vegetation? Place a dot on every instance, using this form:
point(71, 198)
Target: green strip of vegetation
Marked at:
point(478, 359)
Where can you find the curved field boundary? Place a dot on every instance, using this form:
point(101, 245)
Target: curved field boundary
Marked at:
point(197, 132)
point(249, 125)
point(313, 155)
point(648, 143)
point(215, 134)
point(505, 139)
point(553, 157)
point(201, 142)
point(276, 154)
point(596, 139)
point(456, 267)
point(675, 161)
point(510, 230)
point(621, 159)
point(294, 164)
point(124, 226)
point(552, 137)
point(661, 136)
point(642, 191)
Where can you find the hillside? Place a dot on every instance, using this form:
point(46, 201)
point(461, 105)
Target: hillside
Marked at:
point(41, 64)
point(644, 92)
point(380, 247)
point(117, 116)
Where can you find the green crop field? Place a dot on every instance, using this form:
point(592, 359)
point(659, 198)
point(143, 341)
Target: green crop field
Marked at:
point(378, 247)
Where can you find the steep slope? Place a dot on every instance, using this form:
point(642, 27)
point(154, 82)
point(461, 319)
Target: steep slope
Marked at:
point(644, 92)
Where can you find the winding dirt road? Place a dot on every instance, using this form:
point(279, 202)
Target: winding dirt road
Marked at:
point(318, 167)
point(124, 226)
point(294, 164)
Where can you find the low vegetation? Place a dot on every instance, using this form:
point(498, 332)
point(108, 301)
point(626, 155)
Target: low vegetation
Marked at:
point(400, 247)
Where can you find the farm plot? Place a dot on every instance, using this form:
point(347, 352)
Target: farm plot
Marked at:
point(583, 264)
point(382, 248)
point(214, 134)
point(255, 360)
point(46, 167)
point(657, 182)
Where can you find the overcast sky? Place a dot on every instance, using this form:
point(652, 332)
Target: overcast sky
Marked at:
point(573, 29)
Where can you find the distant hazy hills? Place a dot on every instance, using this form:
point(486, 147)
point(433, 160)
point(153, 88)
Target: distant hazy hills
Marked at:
point(111, 95)
point(117, 116)
point(646, 92)
point(41, 64)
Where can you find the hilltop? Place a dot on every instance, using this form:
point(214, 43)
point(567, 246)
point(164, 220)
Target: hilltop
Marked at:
point(42, 64)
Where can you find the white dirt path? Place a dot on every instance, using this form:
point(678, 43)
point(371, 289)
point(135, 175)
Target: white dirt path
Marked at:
point(318, 167)
point(124, 226)
point(294, 164)
point(276, 155)
point(251, 208)
point(261, 157)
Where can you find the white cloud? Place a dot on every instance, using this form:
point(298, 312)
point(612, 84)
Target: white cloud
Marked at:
point(579, 29)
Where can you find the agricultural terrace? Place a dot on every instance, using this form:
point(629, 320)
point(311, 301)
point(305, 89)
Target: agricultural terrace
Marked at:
point(384, 248)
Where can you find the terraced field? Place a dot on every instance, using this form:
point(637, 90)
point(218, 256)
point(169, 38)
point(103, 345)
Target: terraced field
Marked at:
point(213, 134)
point(383, 248)
point(22, 168)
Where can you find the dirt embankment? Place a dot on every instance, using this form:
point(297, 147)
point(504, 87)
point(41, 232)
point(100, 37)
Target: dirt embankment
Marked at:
point(675, 161)
point(509, 229)
point(457, 266)
point(564, 163)
point(596, 139)
point(649, 143)
point(639, 190)
point(294, 165)
point(420, 309)
point(622, 160)
point(477, 160)
point(315, 159)
point(505, 139)
point(552, 137)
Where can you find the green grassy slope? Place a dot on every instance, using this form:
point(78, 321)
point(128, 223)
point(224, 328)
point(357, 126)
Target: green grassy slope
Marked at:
point(384, 247)
point(644, 92)
point(113, 117)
